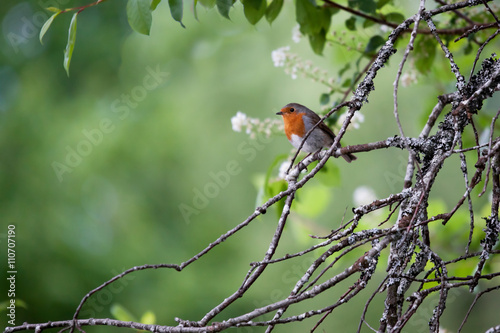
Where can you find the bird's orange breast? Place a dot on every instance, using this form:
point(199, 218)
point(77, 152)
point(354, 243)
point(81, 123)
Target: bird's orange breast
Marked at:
point(294, 125)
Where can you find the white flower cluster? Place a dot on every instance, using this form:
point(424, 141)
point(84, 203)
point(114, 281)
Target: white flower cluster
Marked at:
point(363, 195)
point(280, 56)
point(408, 78)
point(254, 126)
point(285, 165)
point(294, 65)
point(356, 120)
point(283, 169)
point(296, 34)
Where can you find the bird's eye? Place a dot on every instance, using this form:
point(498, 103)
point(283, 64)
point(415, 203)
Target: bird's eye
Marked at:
point(292, 109)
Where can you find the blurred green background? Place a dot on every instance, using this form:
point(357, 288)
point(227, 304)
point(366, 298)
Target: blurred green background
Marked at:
point(151, 115)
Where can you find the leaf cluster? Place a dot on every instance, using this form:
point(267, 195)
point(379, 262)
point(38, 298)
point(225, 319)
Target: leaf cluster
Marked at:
point(313, 17)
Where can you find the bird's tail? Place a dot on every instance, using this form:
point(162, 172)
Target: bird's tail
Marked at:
point(349, 157)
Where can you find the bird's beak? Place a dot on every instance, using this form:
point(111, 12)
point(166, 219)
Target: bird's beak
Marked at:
point(279, 113)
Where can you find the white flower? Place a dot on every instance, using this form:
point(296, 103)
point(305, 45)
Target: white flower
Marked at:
point(384, 28)
point(408, 78)
point(296, 34)
point(238, 121)
point(356, 120)
point(279, 56)
point(363, 195)
point(254, 126)
point(283, 169)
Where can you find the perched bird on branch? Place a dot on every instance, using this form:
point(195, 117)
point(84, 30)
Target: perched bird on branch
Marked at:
point(298, 121)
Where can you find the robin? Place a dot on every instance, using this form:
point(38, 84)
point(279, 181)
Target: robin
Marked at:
point(298, 121)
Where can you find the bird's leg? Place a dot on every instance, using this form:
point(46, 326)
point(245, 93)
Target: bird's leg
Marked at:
point(317, 152)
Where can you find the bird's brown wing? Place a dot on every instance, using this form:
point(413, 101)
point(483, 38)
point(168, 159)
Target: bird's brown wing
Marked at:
point(315, 119)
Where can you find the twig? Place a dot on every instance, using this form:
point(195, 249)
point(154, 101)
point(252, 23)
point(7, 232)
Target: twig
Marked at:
point(474, 303)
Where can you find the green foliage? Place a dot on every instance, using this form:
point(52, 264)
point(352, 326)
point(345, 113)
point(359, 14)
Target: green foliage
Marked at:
point(223, 6)
point(272, 186)
point(254, 10)
point(139, 15)
point(148, 318)
point(382, 3)
point(394, 17)
point(19, 304)
point(367, 6)
point(154, 4)
point(373, 44)
point(119, 312)
point(350, 23)
point(208, 3)
point(324, 99)
point(273, 10)
point(427, 47)
point(47, 24)
point(68, 53)
point(314, 22)
point(317, 41)
point(176, 10)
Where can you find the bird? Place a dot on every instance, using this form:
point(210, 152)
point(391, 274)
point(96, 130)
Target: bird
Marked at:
point(298, 121)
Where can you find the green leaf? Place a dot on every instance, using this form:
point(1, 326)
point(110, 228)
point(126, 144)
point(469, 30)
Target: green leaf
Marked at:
point(367, 6)
point(344, 69)
point(350, 23)
point(120, 313)
point(395, 17)
point(347, 83)
point(139, 15)
point(314, 22)
point(324, 99)
point(223, 6)
point(254, 10)
point(307, 16)
point(374, 43)
point(208, 3)
point(148, 318)
point(154, 4)
point(317, 41)
point(176, 10)
point(18, 302)
point(382, 3)
point(368, 23)
point(53, 9)
point(277, 160)
point(47, 24)
point(273, 189)
point(468, 48)
point(273, 10)
point(427, 52)
point(68, 53)
point(195, 12)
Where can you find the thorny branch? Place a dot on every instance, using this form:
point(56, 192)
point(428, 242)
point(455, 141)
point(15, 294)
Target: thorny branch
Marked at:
point(412, 259)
